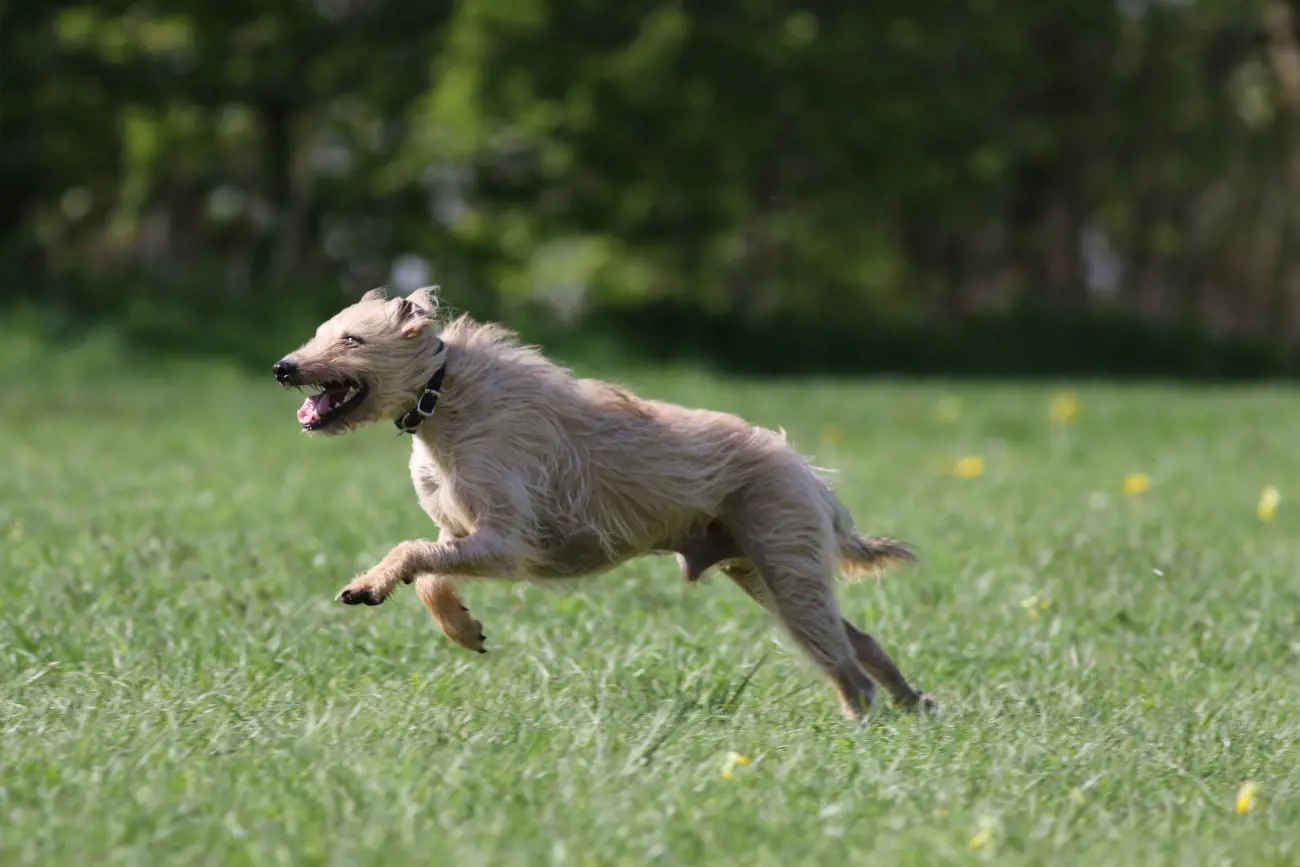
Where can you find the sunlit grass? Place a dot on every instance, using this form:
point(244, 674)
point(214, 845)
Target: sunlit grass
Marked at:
point(176, 685)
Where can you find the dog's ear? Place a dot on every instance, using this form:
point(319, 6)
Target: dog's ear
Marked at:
point(426, 300)
point(410, 318)
point(416, 311)
point(377, 294)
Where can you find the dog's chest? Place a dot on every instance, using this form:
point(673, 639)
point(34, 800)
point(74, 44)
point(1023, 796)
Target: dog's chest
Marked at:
point(435, 487)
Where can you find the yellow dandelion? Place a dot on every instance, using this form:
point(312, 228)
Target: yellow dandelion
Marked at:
point(1137, 483)
point(984, 836)
point(1064, 408)
point(969, 467)
point(1268, 503)
point(948, 410)
point(734, 760)
point(832, 434)
point(1246, 796)
point(1032, 605)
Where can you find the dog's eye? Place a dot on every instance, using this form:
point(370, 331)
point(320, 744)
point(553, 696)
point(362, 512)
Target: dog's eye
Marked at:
point(352, 340)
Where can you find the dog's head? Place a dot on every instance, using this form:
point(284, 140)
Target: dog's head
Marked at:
point(369, 362)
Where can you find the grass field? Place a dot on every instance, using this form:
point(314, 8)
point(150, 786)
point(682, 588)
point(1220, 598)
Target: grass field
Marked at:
point(177, 686)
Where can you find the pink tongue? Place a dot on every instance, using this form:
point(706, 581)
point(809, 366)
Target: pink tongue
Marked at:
point(313, 408)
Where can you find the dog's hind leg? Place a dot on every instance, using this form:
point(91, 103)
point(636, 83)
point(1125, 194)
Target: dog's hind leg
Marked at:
point(870, 655)
point(878, 664)
point(749, 580)
point(795, 565)
point(806, 608)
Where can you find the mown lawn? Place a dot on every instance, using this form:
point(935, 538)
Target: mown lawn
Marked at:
point(178, 687)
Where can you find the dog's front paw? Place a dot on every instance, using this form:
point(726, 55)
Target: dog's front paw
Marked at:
point(361, 592)
point(449, 612)
point(461, 627)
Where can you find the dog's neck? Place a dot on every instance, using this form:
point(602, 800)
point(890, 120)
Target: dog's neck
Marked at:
point(497, 396)
point(409, 421)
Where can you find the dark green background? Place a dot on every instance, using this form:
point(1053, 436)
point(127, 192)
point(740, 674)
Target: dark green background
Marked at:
point(879, 185)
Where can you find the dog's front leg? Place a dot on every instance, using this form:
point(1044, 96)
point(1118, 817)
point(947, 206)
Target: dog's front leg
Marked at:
point(440, 596)
point(482, 554)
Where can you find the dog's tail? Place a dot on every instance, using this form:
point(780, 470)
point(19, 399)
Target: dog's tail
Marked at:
point(864, 556)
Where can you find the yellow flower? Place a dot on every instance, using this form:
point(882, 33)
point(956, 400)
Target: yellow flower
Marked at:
point(984, 836)
point(1246, 796)
point(831, 434)
point(1032, 605)
point(949, 409)
point(969, 467)
point(733, 760)
point(1268, 502)
point(1076, 797)
point(1137, 483)
point(1064, 408)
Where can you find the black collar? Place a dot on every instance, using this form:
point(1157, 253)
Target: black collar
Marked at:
point(408, 421)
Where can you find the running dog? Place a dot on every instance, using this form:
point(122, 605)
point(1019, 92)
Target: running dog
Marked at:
point(531, 473)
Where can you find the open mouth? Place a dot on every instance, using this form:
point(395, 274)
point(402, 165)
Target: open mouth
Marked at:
point(334, 403)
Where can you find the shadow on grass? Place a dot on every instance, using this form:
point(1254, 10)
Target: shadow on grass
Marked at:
point(1023, 344)
point(255, 329)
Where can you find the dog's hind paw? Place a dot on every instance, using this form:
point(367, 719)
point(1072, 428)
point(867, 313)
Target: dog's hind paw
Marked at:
point(928, 704)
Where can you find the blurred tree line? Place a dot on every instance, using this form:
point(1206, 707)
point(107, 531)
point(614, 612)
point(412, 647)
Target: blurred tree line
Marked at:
point(744, 162)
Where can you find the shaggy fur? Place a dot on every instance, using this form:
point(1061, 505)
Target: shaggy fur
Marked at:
point(531, 474)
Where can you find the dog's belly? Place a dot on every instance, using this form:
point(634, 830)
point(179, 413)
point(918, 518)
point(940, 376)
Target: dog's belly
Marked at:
point(576, 555)
point(580, 554)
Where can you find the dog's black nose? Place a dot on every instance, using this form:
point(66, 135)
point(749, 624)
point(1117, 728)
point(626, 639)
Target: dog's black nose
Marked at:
point(284, 370)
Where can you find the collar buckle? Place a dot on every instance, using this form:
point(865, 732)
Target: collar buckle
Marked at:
point(408, 421)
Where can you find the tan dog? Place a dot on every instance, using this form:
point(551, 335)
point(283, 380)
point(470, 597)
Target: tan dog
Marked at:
point(531, 473)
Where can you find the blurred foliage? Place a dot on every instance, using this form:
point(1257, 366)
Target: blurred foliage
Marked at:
point(852, 168)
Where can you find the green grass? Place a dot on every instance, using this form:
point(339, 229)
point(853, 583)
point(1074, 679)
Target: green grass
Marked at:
point(176, 685)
